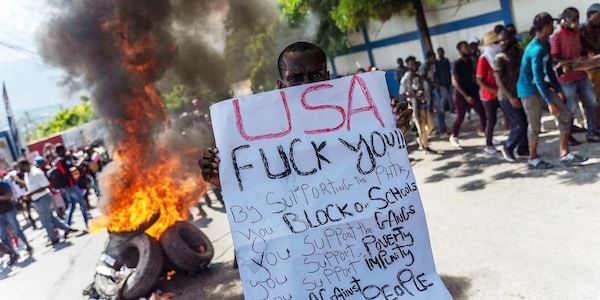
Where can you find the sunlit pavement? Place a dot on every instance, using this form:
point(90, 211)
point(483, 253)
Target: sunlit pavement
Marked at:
point(497, 229)
point(64, 270)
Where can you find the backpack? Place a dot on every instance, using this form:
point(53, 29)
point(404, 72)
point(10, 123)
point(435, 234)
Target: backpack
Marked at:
point(56, 178)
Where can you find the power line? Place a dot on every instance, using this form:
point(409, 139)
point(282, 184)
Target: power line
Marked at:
point(18, 48)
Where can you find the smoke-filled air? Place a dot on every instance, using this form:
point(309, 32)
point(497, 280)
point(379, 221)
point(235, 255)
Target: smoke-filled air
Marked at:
point(123, 52)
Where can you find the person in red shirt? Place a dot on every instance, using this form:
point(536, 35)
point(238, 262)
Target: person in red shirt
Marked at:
point(565, 46)
point(488, 87)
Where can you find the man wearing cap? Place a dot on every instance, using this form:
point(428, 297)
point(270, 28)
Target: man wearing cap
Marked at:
point(590, 43)
point(565, 46)
point(488, 87)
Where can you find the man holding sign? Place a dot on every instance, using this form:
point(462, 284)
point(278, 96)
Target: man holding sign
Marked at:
point(299, 63)
point(320, 195)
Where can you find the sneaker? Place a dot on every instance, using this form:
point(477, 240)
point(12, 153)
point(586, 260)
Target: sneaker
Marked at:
point(592, 138)
point(539, 164)
point(508, 155)
point(491, 150)
point(577, 129)
point(573, 141)
point(454, 141)
point(13, 259)
point(430, 151)
point(517, 154)
point(69, 231)
point(571, 159)
point(496, 142)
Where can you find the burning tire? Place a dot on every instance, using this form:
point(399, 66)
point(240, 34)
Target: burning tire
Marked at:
point(143, 254)
point(187, 247)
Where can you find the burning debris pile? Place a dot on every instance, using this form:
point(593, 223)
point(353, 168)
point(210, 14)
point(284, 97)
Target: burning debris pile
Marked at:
point(118, 50)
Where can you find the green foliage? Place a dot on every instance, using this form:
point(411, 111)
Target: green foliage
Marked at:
point(525, 40)
point(262, 57)
point(338, 17)
point(176, 98)
point(65, 119)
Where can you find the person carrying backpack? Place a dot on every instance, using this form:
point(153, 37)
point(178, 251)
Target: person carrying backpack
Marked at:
point(67, 182)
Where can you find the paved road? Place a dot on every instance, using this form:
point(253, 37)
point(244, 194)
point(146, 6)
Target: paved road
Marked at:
point(498, 231)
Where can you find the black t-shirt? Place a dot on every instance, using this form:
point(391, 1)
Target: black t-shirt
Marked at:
point(5, 205)
point(464, 70)
point(507, 66)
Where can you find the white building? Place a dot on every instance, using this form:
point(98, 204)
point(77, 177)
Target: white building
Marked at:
point(380, 44)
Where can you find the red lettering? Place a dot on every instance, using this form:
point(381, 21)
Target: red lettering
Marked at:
point(240, 124)
point(370, 107)
point(320, 107)
point(346, 116)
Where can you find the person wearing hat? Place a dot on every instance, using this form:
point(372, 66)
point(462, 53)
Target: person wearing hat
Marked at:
point(565, 47)
point(590, 44)
point(488, 88)
point(474, 46)
point(535, 94)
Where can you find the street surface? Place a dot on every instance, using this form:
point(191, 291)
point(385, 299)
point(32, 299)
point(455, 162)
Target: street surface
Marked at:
point(498, 231)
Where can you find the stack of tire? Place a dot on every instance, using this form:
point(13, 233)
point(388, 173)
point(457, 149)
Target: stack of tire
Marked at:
point(183, 245)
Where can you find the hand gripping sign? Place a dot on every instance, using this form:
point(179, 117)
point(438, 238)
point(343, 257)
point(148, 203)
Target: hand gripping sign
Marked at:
point(320, 195)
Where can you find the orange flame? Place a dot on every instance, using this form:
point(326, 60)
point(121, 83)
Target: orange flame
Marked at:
point(149, 177)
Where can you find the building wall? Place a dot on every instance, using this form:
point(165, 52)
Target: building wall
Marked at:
point(380, 44)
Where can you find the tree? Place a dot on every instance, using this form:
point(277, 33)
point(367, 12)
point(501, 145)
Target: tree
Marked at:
point(176, 99)
point(348, 15)
point(65, 119)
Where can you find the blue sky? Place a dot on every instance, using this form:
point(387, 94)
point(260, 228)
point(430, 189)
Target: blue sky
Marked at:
point(32, 86)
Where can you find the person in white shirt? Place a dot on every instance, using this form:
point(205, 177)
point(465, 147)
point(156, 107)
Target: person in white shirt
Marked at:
point(39, 194)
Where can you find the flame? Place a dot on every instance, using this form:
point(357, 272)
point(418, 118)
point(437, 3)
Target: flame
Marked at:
point(148, 177)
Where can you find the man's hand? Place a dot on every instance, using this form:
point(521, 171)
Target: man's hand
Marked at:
point(402, 113)
point(562, 97)
point(515, 102)
point(554, 110)
point(209, 165)
point(469, 100)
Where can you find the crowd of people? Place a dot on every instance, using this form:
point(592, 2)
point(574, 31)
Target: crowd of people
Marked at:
point(49, 188)
point(553, 73)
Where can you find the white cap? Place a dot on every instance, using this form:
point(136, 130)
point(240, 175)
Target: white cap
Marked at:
point(473, 40)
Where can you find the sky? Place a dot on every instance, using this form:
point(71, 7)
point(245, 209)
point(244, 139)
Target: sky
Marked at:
point(32, 85)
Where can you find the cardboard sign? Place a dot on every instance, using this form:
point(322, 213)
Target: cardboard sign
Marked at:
point(320, 195)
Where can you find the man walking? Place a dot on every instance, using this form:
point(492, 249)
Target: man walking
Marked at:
point(39, 194)
point(72, 192)
point(466, 91)
point(8, 217)
point(416, 89)
point(506, 71)
point(429, 72)
point(566, 46)
point(536, 64)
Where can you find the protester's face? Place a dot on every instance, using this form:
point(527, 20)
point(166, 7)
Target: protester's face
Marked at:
point(506, 40)
point(441, 53)
point(302, 67)
point(473, 47)
point(24, 167)
point(412, 66)
point(572, 22)
point(464, 50)
point(594, 18)
point(548, 29)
